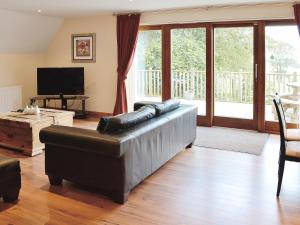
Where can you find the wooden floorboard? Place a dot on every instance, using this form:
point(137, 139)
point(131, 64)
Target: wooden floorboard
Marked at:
point(198, 186)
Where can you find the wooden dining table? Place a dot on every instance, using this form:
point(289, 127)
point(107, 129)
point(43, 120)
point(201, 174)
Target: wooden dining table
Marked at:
point(292, 100)
point(296, 88)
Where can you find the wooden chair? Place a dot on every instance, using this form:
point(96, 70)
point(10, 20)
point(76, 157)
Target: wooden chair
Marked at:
point(289, 145)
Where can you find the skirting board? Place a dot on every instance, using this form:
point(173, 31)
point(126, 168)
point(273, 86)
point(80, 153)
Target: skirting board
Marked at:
point(92, 114)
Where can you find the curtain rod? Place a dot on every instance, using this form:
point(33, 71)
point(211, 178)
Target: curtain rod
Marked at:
point(207, 7)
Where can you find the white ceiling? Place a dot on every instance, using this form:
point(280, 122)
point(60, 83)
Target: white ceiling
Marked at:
point(73, 8)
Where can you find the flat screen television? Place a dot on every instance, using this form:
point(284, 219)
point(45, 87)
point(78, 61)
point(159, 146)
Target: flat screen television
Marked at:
point(60, 81)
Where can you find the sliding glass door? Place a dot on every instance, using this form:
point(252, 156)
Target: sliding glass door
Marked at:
point(234, 75)
point(188, 66)
point(282, 71)
point(230, 71)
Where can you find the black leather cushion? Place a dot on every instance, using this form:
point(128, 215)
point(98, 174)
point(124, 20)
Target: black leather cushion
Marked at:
point(103, 123)
point(140, 104)
point(166, 106)
point(127, 120)
point(160, 107)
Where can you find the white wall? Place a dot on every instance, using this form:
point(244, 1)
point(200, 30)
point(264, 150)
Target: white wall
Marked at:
point(100, 77)
point(20, 69)
point(23, 38)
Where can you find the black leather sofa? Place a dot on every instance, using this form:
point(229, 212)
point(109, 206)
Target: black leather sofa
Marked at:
point(10, 178)
point(116, 160)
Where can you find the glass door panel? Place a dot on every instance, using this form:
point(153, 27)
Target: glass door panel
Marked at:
point(282, 71)
point(188, 66)
point(145, 80)
point(233, 72)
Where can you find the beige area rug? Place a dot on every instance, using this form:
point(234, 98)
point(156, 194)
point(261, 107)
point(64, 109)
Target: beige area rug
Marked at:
point(228, 139)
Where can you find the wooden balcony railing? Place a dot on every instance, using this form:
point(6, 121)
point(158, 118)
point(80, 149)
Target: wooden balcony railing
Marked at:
point(229, 86)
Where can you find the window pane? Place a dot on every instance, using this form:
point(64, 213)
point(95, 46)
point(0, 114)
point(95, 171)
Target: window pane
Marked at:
point(282, 71)
point(188, 65)
point(233, 72)
point(145, 79)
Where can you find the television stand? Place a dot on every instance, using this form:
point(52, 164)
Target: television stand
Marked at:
point(64, 102)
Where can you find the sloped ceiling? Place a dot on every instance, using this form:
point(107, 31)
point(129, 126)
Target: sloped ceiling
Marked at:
point(26, 33)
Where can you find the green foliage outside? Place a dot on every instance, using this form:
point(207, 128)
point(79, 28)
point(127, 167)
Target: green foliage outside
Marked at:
point(188, 49)
point(149, 50)
point(233, 50)
point(280, 55)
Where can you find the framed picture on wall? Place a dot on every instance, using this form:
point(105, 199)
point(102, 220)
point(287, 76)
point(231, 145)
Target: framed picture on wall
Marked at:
point(84, 48)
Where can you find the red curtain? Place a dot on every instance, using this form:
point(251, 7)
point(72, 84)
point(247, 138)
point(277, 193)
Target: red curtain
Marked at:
point(297, 15)
point(127, 34)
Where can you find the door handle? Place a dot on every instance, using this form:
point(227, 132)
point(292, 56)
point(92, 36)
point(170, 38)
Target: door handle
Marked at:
point(256, 71)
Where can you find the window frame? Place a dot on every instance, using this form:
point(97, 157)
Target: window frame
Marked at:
point(259, 97)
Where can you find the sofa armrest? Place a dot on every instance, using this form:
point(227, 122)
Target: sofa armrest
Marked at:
point(82, 139)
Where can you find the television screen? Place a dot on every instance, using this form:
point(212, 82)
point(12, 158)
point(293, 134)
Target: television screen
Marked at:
point(56, 81)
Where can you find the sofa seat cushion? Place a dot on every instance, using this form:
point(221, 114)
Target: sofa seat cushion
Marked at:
point(293, 134)
point(8, 165)
point(126, 120)
point(293, 149)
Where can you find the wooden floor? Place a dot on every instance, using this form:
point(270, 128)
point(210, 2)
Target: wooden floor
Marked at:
point(198, 186)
